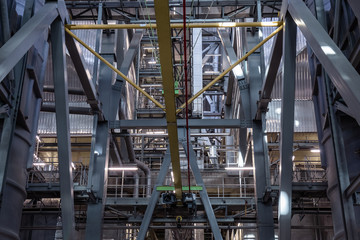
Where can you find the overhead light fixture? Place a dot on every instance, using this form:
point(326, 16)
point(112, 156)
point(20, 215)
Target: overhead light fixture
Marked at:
point(157, 132)
point(39, 164)
point(315, 150)
point(239, 168)
point(211, 72)
point(151, 62)
point(123, 168)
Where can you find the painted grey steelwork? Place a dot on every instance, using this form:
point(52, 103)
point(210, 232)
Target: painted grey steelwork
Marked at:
point(189, 3)
point(14, 49)
point(97, 175)
point(98, 172)
point(270, 75)
point(237, 71)
point(154, 196)
point(82, 71)
point(355, 5)
point(62, 127)
point(260, 156)
point(287, 128)
point(199, 181)
point(341, 72)
point(334, 131)
point(193, 123)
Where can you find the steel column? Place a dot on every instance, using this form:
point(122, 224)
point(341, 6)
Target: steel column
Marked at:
point(287, 128)
point(97, 176)
point(337, 66)
point(265, 223)
point(98, 182)
point(154, 197)
point(165, 44)
point(14, 49)
point(62, 127)
point(199, 181)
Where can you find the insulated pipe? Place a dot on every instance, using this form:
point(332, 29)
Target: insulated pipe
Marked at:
point(147, 172)
point(14, 190)
point(130, 149)
point(136, 187)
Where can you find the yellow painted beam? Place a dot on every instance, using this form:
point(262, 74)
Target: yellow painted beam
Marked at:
point(229, 69)
point(115, 69)
point(174, 25)
point(165, 46)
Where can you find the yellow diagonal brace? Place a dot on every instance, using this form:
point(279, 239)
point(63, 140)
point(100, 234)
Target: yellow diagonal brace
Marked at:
point(230, 68)
point(115, 69)
point(174, 25)
point(165, 44)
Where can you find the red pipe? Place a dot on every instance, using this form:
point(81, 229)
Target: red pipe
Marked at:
point(186, 93)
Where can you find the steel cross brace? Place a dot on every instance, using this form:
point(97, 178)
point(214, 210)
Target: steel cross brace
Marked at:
point(199, 181)
point(63, 127)
point(154, 196)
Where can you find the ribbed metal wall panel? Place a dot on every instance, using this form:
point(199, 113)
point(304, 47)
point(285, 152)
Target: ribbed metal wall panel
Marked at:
point(304, 117)
point(79, 124)
point(266, 31)
point(303, 87)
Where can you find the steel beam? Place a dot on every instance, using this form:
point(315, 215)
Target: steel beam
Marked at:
point(154, 197)
point(237, 71)
point(270, 75)
point(287, 128)
point(189, 3)
point(82, 71)
point(62, 127)
point(14, 49)
point(193, 123)
point(165, 44)
point(174, 25)
point(199, 181)
point(337, 66)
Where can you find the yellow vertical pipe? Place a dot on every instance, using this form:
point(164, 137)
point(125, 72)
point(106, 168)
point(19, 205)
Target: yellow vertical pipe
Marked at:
point(166, 63)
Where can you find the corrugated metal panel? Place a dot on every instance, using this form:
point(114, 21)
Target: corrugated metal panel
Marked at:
point(303, 87)
point(79, 124)
point(266, 31)
point(73, 82)
point(304, 117)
